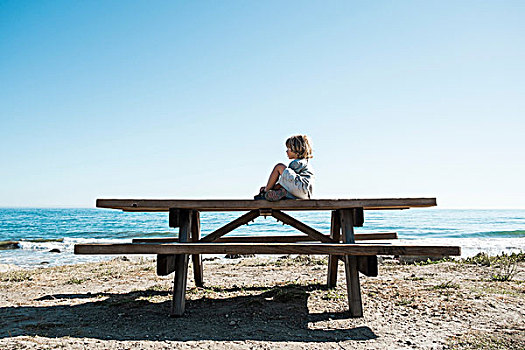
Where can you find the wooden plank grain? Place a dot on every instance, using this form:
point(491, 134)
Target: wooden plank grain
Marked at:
point(165, 264)
point(267, 248)
point(347, 225)
point(367, 265)
point(174, 217)
point(353, 286)
point(196, 258)
point(245, 204)
point(333, 261)
point(181, 266)
point(273, 239)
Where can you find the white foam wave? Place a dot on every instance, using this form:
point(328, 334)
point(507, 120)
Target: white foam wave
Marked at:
point(34, 254)
point(67, 244)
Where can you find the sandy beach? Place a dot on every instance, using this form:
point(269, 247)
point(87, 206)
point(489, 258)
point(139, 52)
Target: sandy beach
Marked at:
point(257, 303)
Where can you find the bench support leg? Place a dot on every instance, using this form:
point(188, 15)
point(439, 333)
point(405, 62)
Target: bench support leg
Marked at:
point(166, 262)
point(197, 258)
point(335, 234)
point(352, 274)
point(367, 265)
point(181, 266)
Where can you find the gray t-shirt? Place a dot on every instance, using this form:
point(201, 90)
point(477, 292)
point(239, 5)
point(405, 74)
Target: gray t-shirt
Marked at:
point(305, 173)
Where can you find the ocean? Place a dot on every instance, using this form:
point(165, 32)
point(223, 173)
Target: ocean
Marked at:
point(45, 237)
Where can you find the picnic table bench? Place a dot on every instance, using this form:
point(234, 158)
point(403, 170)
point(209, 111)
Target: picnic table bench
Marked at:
point(173, 252)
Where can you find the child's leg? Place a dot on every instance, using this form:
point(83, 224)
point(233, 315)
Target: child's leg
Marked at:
point(274, 176)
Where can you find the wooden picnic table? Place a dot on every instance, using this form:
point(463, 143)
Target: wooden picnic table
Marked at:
point(340, 244)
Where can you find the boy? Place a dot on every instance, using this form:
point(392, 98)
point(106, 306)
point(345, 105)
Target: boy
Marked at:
point(296, 180)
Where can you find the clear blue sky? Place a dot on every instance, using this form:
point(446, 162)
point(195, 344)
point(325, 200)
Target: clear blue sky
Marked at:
point(187, 99)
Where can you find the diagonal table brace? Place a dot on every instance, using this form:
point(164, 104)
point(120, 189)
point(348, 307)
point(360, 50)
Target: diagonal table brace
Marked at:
point(249, 216)
point(287, 219)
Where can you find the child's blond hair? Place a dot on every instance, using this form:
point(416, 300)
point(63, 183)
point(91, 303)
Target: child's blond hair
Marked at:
point(300, 145)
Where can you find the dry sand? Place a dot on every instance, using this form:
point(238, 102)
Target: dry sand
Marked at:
point(256, 303)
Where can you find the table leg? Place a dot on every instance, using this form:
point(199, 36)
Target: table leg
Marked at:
point(352, 274)
point(181, 266)
point(197, 258)
point(333, 261)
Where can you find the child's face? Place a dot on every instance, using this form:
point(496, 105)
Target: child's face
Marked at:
point(290, 154)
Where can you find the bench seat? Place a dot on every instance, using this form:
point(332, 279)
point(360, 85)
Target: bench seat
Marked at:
point(266, 248)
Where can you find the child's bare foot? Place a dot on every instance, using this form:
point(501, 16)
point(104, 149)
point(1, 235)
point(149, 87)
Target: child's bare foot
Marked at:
point(275, 195)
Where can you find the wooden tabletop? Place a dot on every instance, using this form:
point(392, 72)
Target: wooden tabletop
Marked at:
point(246, 204)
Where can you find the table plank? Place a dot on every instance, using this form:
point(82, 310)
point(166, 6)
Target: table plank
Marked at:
point(273, 238)
point(244, 204)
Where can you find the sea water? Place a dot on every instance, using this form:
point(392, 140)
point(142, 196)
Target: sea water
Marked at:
point(45, 237)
